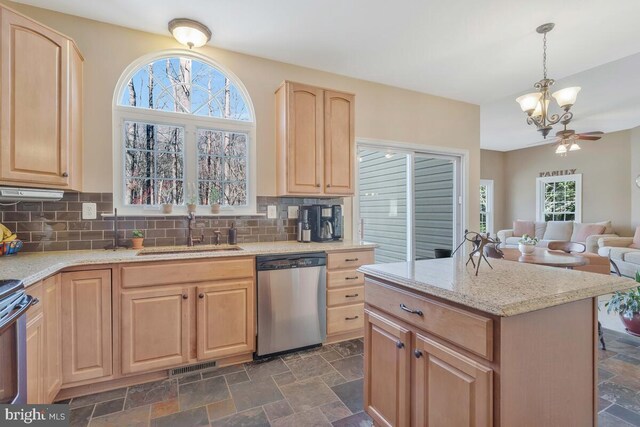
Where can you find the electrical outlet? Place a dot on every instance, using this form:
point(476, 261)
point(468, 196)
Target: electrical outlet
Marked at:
point(89, 211)
point(272, 212)
point(292, 212)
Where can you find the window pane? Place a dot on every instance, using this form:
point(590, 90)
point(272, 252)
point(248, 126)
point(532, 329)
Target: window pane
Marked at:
point(185, 85)
point(139, 163)
point(222, 161)
point(383, 202)
point(162, 157)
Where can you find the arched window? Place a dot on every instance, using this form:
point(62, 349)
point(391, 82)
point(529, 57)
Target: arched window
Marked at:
point(184, 132)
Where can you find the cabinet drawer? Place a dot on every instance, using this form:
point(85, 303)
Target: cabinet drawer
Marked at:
point(344, 319)
point(336, 279)
point(337, 260)
point(467, 330)
point(345, 295)
point(172, 273)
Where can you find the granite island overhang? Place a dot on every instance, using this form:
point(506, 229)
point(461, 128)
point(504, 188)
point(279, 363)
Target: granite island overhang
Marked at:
point(515, 345)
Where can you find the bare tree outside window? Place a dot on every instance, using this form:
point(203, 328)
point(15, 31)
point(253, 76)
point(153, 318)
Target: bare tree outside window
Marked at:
point(154, 164)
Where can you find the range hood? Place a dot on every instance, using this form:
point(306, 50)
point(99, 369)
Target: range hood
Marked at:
point(9, 194)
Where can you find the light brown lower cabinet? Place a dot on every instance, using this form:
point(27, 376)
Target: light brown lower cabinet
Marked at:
point(225, 320)
point(155, 328)
point(52, 330)
point(411, 379)
point(35, 359)
point(86, 325)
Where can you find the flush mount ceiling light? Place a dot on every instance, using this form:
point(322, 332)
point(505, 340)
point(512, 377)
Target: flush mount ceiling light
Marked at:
point(536, 104)
point(189, 32)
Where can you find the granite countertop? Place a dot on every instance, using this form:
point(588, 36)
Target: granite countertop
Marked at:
point(509, 289)
point(32, 267)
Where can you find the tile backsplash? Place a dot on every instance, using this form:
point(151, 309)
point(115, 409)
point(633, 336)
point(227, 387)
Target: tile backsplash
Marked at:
point(58, 226)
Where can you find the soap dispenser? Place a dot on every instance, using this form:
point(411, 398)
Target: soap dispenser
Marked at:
point(233, 235)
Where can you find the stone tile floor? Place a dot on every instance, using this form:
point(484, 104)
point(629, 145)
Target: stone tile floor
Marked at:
point(318, 387)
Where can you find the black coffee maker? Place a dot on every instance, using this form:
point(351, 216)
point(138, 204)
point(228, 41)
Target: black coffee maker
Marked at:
point(326, 222)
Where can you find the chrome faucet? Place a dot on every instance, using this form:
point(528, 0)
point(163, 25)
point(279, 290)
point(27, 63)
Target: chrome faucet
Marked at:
point(191, 217)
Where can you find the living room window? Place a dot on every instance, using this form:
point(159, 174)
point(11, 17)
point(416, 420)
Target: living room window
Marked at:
point(559, 198)
point(486, 206)
point(183, 127)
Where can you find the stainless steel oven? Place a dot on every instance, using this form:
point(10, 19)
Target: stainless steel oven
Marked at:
point(14, 303)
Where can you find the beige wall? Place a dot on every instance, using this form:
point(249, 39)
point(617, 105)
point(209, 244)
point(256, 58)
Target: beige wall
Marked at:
point(492, 167)
point(635, 172)
point(382, 112)
point(605, 166)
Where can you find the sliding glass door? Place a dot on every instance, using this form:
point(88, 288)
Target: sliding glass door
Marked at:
point(407, 202)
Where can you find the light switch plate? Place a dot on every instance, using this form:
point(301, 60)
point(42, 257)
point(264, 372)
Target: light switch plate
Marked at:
point(272, 212)
point(292, 212)
point(89, 211)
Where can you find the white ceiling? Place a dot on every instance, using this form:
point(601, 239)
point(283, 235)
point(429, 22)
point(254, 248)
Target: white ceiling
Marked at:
point(481, 52)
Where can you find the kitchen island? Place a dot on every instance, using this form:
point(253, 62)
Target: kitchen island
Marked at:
point(514, 346)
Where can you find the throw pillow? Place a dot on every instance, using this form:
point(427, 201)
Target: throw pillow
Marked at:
point(559, 230)
point(608, 228)
point(582, 231)
point(636, 239)
point(541, 227)
point(520, 228)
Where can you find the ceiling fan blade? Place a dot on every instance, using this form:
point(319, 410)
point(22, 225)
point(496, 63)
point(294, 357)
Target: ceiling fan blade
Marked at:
point(588, 138)
point(592, 133)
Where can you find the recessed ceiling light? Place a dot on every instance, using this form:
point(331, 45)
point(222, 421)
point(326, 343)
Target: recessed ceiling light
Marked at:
point(189, 32)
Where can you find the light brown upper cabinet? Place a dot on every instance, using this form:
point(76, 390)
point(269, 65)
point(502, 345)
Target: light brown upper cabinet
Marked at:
point(40, 108)
point(315, 141)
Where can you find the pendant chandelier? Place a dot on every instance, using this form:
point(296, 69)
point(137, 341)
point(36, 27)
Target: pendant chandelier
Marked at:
point(536, 104)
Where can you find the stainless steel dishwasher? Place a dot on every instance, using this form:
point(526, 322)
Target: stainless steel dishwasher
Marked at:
point(291, 302)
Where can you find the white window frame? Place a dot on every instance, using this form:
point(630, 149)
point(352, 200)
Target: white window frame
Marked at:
point(460, 160)
point(191, 124)
point(541, 181)
point(490, 220)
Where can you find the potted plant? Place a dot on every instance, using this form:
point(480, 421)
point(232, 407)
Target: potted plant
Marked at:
point(192, 198)
point(137, 237)
point(627, 305)
point(167, 207)
point(214, 198)
point(527, 244)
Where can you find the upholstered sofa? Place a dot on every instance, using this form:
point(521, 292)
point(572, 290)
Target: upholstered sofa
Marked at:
point(624, 252)
point(558, 231)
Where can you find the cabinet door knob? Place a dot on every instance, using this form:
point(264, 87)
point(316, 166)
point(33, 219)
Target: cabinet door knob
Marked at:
point(328, 185)
point(399, 344)
point(65, 175)
point(318, 185)
point(185, 296)
point(417, 354)
point(201, 296)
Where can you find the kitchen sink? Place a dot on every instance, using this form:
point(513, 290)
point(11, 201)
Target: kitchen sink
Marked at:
point(168, 250)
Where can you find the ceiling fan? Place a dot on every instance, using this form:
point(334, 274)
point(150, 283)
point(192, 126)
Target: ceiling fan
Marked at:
point(567, 140)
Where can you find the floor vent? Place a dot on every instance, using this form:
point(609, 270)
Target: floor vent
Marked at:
point(192, 368)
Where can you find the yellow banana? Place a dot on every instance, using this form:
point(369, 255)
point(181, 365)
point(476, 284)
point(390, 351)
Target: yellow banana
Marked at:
point(11, 238)
point(5, 232)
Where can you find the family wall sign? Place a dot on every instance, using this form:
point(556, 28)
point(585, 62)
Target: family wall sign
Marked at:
point(558, 173)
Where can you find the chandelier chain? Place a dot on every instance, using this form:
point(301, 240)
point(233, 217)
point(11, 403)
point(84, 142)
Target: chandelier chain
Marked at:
point(544, 55)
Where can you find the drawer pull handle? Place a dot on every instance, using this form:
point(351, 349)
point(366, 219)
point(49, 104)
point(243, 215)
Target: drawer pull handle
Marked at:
point(351, 318)
point(351, 259)
point(399, 344)
point(351, 296)
point(408, 310)
point(417, 354)
point(351, 278)
point(185, 296)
